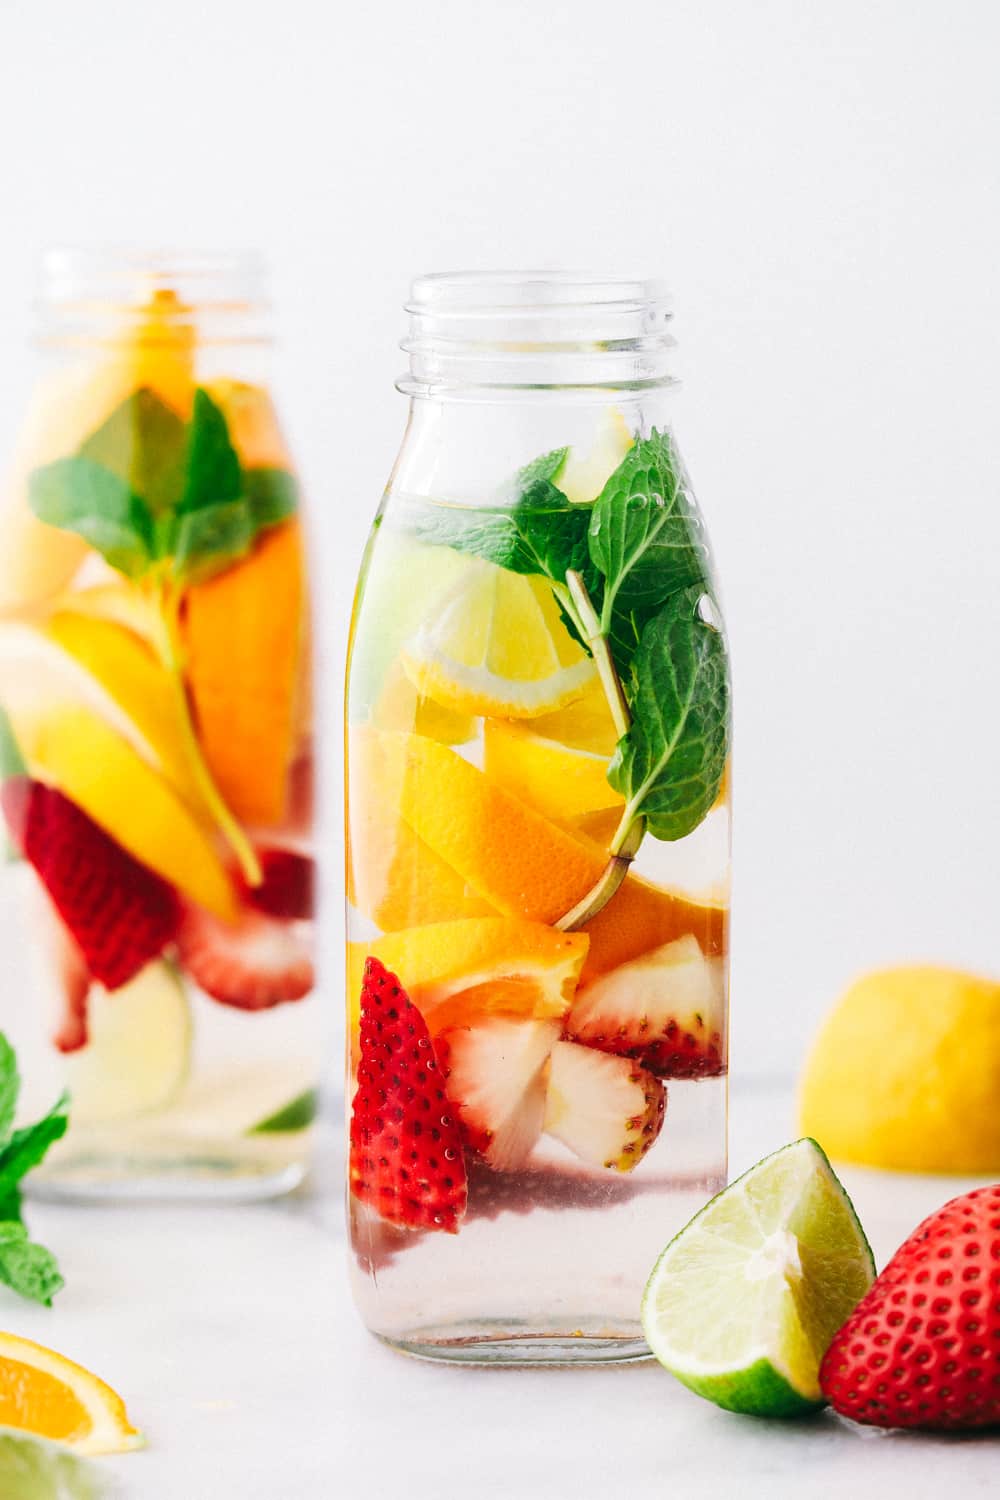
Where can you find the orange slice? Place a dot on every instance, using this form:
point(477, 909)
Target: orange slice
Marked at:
point(394, 878)
point(44, 1393)
point(244, 636)
point(562, 782)
point(641, 917)
point(458, 972)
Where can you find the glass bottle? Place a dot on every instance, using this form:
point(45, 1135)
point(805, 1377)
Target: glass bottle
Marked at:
point(538, 832)
point(156, 909)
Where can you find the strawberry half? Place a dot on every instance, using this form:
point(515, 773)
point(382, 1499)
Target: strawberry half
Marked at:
point(666, 1010)
point(119, 913)
point(606, 1109)
point(286, 888)
point(922, 1348)
point(406, 1150)
point(253, 963)
point(495, 1077)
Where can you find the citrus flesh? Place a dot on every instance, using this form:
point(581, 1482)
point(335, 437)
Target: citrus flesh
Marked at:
point(44, 1393)
point(743, 1303)
point(138, 1052)
point(905, 1073)
point(497, 645)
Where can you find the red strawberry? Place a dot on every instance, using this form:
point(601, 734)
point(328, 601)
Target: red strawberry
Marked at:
point(666, 1010)
point(406, 1151)
point(286, 889)
point(922, 1348)
point(120, 914)
point(252, 964)
point(496, 1079)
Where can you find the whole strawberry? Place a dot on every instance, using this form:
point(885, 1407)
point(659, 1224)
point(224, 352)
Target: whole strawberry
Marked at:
point(922, 1348)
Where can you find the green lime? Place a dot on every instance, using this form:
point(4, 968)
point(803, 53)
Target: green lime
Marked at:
point(296, 1115)
point(743, 1303)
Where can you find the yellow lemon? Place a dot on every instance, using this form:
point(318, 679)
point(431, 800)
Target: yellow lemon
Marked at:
point(584, 475)
point(905, 1073)
point(563, 783)
point(496, 644)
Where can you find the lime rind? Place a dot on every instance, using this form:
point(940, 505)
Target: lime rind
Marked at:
point(744, 1301)
point(298, 1114)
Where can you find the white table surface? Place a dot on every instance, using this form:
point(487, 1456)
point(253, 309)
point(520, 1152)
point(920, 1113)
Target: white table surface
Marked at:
point(230, 1332)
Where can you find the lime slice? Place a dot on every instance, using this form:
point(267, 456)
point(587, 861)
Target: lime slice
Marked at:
point(34, 1469)
point(297, 1114)
point(137, 1057)
point(743, 1303)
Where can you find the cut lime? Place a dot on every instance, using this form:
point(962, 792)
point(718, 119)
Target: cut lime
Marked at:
point(296, 1115)
point(137, 1056)
point(743, 1303)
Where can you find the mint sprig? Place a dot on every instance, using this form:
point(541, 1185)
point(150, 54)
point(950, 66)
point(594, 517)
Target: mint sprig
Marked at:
point(25, 1266)
point(158, 496)
point(629, 573)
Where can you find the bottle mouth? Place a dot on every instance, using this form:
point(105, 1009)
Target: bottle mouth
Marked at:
point(536, 330)
point(102, 293)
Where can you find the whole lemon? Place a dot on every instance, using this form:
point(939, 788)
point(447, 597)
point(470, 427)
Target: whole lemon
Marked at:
point(905, 1073)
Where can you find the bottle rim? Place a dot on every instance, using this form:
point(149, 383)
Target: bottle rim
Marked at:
point(94, 294)
point(536, 329)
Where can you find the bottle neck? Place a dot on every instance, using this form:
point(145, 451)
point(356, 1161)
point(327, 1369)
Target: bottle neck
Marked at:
point(105, 299)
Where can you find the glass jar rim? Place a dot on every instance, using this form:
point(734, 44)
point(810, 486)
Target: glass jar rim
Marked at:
point(95, 292)
point(537, 329)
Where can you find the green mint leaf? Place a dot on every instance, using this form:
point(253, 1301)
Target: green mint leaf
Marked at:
point(547, 466)
point(79, 495)
point(27, 1268)
point(27, 1146)
point(12, 762)
point(214, 474)
point(669, 766)
point(207, 540)
point(10, 1207)
point(645, 534)
point(272, 494)
point(10, 1088)
point(143, 442)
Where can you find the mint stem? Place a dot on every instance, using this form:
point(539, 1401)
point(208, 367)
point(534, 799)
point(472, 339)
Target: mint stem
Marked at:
point(630, 833)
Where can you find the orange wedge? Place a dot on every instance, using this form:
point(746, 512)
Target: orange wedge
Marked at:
point(252, 419)
point(244, 635)
point(640, 917)
point(44, 1393)
point(458, 972)
point(394, 878)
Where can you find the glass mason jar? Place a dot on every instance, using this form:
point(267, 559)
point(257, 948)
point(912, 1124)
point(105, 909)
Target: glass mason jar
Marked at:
point(156, 916)
point(538, 833)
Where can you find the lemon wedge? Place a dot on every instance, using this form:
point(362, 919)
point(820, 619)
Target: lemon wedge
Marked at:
point(497, 645)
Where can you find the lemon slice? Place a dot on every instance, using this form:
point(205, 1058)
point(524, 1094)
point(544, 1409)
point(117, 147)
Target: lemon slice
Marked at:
point(563, 783)
point(44, 1393)
point(496, 644)
point(137, 1057)
point(584, 475)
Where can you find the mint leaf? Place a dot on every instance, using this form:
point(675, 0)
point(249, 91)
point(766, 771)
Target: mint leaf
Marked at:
point(272, 494)
point(10, 1207)
point(645, 535)
point(144, 443)
point(669, 766)
point(547, 466)
point(10, 1088)
point(79, 495)
point(26, 1267)
point(28, 1146)
point(214, 475)
point(208, 540)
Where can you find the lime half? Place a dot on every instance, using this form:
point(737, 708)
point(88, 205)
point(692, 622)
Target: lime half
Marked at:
point(743, 1303)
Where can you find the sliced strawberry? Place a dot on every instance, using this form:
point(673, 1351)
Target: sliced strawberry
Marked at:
point(666, 1010)
point(119, 913)
point(495, 1077)
point(406, 1150)
point(286, 889)
point(922, 1347)
point(252, 964)
point(606, 1109)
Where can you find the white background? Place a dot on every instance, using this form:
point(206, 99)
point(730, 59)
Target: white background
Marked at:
point(818, 183)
